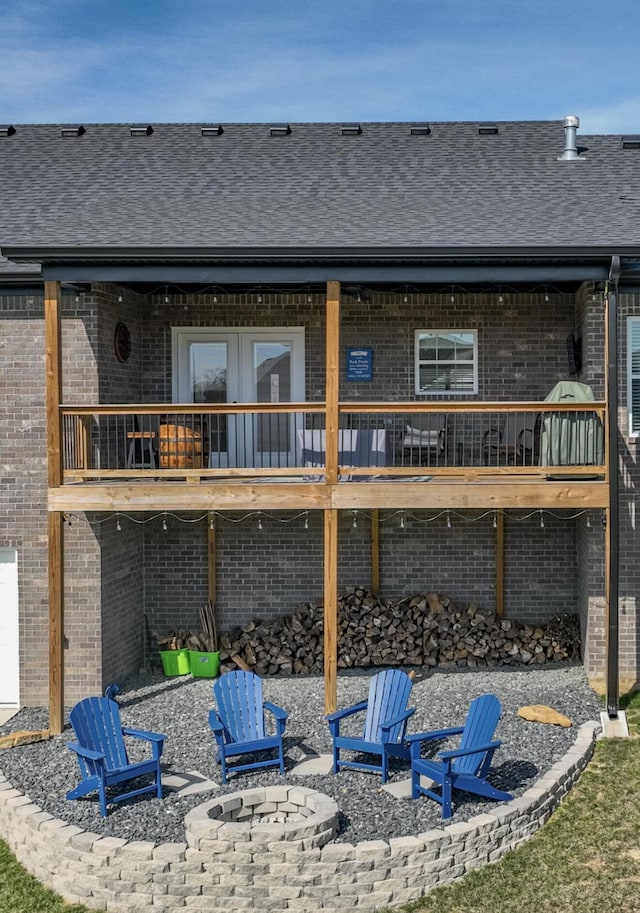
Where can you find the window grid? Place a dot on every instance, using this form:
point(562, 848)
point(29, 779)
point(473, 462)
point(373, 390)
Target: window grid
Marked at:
point(633, 374)
point(446, 362)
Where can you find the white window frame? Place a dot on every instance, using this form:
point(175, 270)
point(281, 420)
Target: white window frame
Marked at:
point(417, 362)
point(631, 322)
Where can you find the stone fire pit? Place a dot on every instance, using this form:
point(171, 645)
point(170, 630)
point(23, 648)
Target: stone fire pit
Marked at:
point(265, 815)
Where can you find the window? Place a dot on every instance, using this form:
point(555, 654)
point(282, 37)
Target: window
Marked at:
point(633, 374)
point(447, 361)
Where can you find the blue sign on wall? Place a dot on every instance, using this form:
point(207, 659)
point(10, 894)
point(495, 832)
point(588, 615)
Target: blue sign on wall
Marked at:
point(359, 364)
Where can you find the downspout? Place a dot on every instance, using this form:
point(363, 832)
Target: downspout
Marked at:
point(614, 519)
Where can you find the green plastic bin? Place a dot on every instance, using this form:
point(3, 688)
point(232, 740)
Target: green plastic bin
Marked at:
point(204, 665)
point(175, 662)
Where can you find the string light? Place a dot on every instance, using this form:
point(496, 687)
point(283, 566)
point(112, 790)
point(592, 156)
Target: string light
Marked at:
point(118, 525)
point(495, 519)
point(363, 291)
point(400, 516)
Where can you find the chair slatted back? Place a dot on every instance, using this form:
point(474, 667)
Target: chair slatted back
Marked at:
point(97, 725)
point(388, 697)
point(240, 705)
point(482, 719)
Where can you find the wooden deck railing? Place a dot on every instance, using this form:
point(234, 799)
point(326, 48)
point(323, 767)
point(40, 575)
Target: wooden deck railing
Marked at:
point(407, 439)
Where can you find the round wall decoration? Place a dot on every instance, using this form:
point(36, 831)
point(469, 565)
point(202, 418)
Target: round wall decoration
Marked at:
point(122, 342)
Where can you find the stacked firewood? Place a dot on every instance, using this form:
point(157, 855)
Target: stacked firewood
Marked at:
point(428, 630)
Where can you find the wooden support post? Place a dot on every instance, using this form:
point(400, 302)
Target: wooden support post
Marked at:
point(332, 398)
point(332, 387)
point(499, 564)
point(375, 551)
point(330, 610)
point(211, 552)
point(53, 397)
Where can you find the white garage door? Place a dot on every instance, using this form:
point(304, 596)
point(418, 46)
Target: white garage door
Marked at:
point(9, 667)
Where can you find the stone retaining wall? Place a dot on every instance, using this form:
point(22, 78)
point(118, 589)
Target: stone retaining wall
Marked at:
point(241, 870)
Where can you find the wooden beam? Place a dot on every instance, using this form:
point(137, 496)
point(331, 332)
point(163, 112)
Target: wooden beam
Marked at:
point(55, 522)
point(436, 495)
point(160, 496)
point(459, 495)
point(330, 610)
point(499, 564)
point(375, 550)
point(332, 385)
point(53, 381)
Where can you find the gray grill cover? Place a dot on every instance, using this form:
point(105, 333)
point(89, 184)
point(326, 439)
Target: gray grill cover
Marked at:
point(571, 438)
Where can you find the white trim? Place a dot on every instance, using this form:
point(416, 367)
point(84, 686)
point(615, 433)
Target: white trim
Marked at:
point(419, 391)
point(9, 629)
point(240, 374)
point(634, 435)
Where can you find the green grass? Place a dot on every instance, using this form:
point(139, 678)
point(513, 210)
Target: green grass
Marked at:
point(21, 893)
point(586, 859)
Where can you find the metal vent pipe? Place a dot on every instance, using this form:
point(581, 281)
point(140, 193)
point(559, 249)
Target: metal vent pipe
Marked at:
point(570, 154)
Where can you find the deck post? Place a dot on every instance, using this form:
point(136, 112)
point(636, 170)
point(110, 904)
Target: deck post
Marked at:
point(330, 610)
point(332, 400)
point(55, 519)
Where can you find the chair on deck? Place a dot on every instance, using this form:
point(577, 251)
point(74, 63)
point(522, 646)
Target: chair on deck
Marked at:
point(514, 444)
point(385, 724)
point(102, 754)
point(239, 724)
point(425, 440)
point(465, 767)
point(142, 451)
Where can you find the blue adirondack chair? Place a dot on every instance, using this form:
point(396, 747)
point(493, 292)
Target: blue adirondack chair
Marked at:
point(239, 724)
point(102, 754)
point(385, 724)
point(465, 767)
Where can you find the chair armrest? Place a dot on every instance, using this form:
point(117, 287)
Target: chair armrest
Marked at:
point(348, 711)
point(461, 752)
point(388, 724)
point(215, 722)
point(434, 734)
point(87, 753)
point(143, 734)
point(491, 437)
point(278, 712)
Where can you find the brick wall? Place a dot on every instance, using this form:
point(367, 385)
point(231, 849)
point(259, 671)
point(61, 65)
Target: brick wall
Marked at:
point(113, 579)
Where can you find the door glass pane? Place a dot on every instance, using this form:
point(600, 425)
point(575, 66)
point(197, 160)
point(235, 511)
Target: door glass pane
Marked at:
point(272, 375)
point(208, 378)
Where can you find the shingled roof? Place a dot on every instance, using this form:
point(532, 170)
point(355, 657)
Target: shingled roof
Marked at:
point(453, 188)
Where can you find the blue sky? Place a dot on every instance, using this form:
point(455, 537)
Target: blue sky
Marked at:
point(138, 61)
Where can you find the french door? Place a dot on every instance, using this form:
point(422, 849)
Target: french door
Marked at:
point(243, 366)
